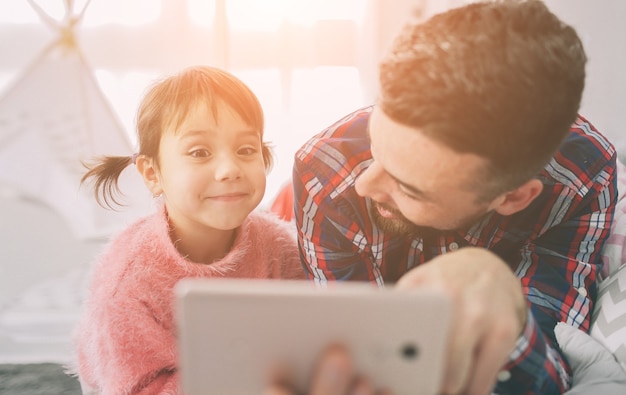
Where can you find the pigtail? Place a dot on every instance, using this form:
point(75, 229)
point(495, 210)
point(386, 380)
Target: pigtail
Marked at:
point(105, 172)
point(268, 158)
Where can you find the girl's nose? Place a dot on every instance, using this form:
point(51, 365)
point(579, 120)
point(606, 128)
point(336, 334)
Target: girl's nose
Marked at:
point(227, 168)
point(372, 183)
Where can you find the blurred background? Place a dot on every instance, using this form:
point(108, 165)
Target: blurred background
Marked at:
point(72, 74)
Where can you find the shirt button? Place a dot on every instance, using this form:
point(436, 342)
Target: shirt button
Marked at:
point(504, 375)
point(453, 246)
point(582, 291)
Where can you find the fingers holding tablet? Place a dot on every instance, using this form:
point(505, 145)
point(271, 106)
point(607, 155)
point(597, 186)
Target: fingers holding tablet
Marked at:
point(333, 375)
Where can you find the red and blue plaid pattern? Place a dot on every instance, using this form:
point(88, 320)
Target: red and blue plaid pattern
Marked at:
point(553, 245)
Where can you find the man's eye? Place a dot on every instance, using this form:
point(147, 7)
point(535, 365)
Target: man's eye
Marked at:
point(200, 153)
point(408, 195)
point(247, 151)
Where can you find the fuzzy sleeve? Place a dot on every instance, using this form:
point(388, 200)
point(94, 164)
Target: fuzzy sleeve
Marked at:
point(125, 340)
point(124, 349)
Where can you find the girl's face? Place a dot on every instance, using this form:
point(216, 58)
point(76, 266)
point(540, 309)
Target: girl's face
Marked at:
point(211, 171)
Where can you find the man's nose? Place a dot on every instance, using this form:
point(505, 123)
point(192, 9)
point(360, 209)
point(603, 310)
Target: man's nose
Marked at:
point(372, 183)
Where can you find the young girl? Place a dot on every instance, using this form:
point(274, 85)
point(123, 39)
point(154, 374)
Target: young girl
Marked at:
point(202, 152)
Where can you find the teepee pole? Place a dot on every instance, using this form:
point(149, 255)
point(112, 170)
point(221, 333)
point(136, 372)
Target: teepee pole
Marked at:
point(79, 16)
point(47, 19)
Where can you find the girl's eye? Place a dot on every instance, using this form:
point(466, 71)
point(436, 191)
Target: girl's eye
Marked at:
point(247, 151)
point(200, 153)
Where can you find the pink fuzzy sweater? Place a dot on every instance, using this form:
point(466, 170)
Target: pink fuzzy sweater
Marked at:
point(125, 341)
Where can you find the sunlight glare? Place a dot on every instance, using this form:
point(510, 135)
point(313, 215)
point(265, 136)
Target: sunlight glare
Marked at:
point(18, 12)
point(269, 15)
point(98, 12)
point(201, 12)
point(122, 12)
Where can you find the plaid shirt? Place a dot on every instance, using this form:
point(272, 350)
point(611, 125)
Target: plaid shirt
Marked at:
point(553, 245)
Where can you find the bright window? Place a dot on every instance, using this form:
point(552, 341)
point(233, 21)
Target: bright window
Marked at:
point(122, 12)
point(269, 15)
point(98, 12)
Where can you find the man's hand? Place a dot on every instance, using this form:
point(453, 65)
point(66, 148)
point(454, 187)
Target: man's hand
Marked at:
point(334, 375)
point(488, 315)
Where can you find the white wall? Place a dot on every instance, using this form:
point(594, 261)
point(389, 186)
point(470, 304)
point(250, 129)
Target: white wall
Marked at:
point(601, 27)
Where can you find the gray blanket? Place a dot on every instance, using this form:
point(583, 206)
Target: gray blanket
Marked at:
point(36, 379)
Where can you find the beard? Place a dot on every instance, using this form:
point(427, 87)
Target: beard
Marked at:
point(399, 225)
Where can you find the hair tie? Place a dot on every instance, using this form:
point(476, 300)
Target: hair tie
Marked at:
point(133, 158)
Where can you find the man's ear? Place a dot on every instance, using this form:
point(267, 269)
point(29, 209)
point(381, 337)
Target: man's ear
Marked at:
point(149, 172)
point(519, 198)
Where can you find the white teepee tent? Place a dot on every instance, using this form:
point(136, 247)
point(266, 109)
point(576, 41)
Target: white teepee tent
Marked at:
point(53, 117)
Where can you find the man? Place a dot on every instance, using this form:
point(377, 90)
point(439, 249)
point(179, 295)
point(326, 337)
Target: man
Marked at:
point(475, 175)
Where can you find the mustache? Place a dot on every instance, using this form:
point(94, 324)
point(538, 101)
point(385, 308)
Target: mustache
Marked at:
point(400, 225)
point(387, 207)
point(399, 218)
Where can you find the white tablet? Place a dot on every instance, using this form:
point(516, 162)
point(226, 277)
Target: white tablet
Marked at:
point(235, 334)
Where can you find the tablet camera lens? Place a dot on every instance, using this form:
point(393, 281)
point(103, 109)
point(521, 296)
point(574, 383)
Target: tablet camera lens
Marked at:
point(409, 351)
